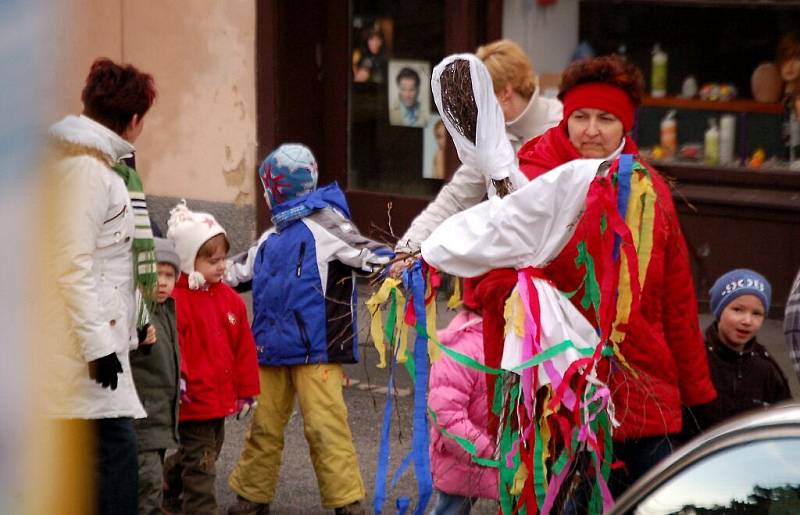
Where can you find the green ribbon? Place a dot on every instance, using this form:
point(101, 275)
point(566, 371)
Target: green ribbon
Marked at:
point(591, 295)
point(465, 444)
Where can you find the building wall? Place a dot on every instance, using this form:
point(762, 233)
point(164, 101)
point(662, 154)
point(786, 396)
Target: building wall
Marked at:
point(199, 137)
point(549, 34)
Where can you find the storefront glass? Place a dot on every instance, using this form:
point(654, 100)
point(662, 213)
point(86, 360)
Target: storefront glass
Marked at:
point(392, 119)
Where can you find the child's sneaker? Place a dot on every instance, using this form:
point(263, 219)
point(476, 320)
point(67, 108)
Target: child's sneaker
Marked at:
point(245, 507)
point(351, 509)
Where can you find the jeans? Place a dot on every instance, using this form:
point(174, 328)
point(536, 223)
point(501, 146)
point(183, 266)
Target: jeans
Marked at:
point(448, 504)
point(117, 467)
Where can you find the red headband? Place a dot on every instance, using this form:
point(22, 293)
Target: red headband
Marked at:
point(599, 95)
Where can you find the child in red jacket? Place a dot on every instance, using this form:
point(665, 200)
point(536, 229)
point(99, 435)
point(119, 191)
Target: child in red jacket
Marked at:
point(218, 358)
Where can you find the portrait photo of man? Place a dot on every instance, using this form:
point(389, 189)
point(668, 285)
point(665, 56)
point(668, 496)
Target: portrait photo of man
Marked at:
point(409, 93)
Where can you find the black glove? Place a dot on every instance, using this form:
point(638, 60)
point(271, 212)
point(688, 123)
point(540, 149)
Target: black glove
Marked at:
point(104, 370)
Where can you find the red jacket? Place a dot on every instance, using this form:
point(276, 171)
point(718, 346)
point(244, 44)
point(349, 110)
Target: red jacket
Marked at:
point(218, 353)
point(663, 344)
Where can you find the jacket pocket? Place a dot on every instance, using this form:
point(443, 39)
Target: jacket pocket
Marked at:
point(301, 328)
point(114, 228)
point(299, 268)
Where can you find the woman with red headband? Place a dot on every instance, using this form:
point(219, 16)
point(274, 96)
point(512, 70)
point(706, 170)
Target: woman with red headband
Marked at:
point(663, 345)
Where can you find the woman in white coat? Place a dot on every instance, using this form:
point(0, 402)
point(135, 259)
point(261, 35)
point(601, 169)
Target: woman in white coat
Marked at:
point(93, 266)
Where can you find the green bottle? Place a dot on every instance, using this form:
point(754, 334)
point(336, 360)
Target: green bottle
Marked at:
point(658, 76)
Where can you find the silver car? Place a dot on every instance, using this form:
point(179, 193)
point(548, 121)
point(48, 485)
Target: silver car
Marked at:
point(749, 465)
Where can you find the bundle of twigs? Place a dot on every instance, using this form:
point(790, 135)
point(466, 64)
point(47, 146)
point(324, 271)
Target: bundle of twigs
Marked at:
point(458, 102)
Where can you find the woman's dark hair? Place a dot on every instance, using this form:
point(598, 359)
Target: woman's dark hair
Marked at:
point(114, 93)
point(610, 69)
point(788, 48)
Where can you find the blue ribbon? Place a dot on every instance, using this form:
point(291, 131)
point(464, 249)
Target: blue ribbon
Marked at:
point(414, 282)
point(420, 438)
point(623, 192)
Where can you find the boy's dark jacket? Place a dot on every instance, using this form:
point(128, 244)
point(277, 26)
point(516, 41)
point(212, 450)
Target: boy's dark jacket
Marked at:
point(304, 295)
point(744, 381)
point(156, 376)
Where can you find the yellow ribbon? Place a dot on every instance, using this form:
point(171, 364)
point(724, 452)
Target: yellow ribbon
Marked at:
point(374, 304)
point(514, 314)
point(639, 218)
point(455, 300)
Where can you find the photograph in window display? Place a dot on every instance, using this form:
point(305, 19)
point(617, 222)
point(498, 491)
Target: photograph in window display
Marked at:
point(409, 98)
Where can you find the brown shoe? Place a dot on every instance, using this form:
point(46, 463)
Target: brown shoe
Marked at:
point(245, 507)
point(351, 509)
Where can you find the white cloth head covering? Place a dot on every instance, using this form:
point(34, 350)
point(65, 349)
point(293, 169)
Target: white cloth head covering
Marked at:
point(491, 153)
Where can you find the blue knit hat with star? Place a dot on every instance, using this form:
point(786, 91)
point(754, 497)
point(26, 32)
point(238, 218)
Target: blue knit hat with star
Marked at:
point(735, 284)
point(288, 172)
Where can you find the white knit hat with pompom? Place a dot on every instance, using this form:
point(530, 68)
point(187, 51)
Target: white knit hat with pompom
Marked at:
point(190, 230)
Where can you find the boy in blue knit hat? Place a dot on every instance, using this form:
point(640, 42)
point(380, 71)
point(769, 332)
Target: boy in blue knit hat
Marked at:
point(304, 323)
point(744, 374)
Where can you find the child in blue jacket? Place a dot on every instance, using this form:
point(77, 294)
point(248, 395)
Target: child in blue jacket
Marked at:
point(304, 323)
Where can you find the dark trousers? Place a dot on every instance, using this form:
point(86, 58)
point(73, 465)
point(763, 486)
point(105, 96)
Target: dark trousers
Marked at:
point(117, 467)
point(639, 456)
point(192, 470)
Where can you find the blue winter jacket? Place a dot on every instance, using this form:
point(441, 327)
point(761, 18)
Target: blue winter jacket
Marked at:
point(304, 294)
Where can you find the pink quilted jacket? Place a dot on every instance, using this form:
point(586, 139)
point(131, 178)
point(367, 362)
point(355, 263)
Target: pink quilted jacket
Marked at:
point(457, 395)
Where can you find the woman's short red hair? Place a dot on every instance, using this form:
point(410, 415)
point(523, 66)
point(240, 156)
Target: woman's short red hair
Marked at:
point(608, 69)
point(114, 93)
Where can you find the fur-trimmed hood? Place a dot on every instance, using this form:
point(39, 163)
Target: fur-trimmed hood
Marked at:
point(85, 132)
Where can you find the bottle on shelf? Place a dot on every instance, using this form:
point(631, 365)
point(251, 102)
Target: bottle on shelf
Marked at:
point(669, 134)
point(727, 138)
point(711, 144)
point(658, 75)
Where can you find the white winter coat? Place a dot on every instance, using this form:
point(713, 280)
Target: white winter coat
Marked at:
point(470, 186)
point(93, 269)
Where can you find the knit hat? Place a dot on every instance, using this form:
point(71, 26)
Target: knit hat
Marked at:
point(735, 284)
point(165, 253)
point(288, 172)
point(190, 230)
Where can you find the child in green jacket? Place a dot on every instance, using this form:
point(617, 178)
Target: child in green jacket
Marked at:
point(156, 372)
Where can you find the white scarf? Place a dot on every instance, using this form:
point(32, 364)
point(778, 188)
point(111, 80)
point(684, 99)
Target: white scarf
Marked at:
point(491, 153)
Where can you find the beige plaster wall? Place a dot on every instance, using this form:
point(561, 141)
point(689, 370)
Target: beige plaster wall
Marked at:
point(199, 138)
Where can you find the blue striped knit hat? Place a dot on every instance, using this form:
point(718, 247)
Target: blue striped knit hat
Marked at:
point(735, 284)
point(288, 172)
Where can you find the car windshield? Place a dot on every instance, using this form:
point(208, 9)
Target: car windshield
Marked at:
point(758, 477)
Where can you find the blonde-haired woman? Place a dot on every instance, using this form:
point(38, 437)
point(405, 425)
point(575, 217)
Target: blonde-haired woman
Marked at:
point(527, 115)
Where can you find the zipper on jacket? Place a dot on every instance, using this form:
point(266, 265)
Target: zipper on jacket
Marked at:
point(303, 335)
point(124, 208)
point(299, 267)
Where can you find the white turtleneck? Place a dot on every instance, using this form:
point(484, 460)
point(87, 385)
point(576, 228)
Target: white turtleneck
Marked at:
point(539, 115)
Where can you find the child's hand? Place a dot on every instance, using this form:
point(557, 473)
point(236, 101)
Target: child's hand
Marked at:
point(401, 262)
point(244, 405)
point(150, 339)
point(184, 397)
point(147, 337)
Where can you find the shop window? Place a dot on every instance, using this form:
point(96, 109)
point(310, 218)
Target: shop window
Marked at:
point(714, 49)
point(393, 125)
